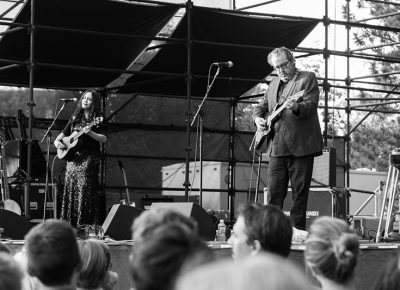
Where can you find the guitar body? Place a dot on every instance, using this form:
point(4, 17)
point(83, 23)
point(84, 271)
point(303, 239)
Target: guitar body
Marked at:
point(261, 135)
point(69, 142)
point(268, 132)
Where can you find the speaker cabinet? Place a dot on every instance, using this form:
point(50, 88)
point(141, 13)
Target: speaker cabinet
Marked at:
point(195, 211)
point(36, 200)
point(119, 220)
point(321, 202)
point(15, 226)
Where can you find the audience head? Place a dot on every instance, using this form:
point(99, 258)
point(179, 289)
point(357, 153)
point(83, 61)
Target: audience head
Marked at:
point(159, 256)
point(332, 250)
point(260, 228)
point(11, 274)
point(52, 252)
point(260, 272)
point(96, 263)
point(390, 276)
point(149, 220)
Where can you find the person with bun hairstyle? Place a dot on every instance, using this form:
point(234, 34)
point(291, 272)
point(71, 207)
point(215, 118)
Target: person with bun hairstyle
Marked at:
point(83, 162)
point(331, 253)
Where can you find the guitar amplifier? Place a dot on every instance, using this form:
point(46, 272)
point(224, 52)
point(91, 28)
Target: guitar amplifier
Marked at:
point(321, 202)
point(36, 203)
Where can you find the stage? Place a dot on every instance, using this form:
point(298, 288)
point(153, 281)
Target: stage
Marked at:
point(371, 260)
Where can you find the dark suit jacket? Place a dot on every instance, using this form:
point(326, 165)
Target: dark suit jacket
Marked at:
point(301, 129)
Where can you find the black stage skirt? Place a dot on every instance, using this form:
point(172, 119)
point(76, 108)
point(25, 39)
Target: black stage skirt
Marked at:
point(80, 190)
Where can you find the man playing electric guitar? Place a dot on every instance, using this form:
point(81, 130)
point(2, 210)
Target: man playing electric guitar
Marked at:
point(296, 138)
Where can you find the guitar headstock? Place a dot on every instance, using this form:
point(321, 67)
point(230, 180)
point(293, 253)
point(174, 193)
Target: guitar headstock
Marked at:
point(96, 121)
point(120, 165)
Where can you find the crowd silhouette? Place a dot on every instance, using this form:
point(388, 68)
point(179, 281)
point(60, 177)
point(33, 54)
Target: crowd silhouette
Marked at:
point(168, 254)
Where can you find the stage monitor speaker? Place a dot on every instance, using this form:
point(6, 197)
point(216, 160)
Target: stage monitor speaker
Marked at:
point(15, 226)
point(195, 211)
point(118, 222)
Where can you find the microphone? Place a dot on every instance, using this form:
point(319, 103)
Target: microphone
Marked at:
point(224, 63)
point(69, 100)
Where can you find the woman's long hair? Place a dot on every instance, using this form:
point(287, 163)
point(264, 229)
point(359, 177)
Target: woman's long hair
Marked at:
point(95, 110)
point(96, 261)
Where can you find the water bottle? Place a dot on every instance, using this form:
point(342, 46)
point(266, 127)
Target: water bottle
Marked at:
point(221, 232)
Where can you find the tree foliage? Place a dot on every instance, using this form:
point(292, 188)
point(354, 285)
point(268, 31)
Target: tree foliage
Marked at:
point(373, 141)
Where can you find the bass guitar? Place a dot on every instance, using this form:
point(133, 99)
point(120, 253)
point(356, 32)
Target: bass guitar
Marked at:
point(266, 133)
point(6, 202)
point(71, 140)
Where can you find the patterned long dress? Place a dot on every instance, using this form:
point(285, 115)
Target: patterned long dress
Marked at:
point(81, 179)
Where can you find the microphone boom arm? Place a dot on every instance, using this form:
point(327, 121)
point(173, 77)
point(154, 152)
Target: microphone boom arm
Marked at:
point(205, 97)
point(52, 124)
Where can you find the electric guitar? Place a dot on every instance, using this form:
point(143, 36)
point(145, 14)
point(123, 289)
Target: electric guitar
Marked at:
point(6, 203)
point(271, 118)
point(128, 199)
point(71, 140)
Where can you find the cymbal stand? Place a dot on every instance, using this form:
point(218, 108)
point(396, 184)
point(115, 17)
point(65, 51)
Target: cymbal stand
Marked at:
point(389, 196)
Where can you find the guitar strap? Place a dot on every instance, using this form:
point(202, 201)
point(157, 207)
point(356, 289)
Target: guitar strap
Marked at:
point(288, 88)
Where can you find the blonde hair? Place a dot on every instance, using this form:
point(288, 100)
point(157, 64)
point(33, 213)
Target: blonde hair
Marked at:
point(260, 272)
point(95, 257)
point(332, 249)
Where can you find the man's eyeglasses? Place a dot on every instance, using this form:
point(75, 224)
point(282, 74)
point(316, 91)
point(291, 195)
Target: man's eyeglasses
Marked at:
point(282, 66)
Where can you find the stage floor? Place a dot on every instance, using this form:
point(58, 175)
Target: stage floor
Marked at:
point(371, 260)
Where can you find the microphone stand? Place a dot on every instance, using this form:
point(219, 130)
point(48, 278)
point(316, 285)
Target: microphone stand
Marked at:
point(200, 115)
point(48, 143)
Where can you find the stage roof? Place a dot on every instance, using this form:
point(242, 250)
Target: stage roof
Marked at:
point(80, 49)
point(213, 25)
point(57, 51)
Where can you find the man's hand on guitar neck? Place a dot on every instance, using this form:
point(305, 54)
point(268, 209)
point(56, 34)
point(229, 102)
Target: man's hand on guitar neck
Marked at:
point(291, 104)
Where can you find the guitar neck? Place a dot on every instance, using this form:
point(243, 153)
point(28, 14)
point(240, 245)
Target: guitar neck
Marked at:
point(81, 132)
point(277, 112)
point(296, 96)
